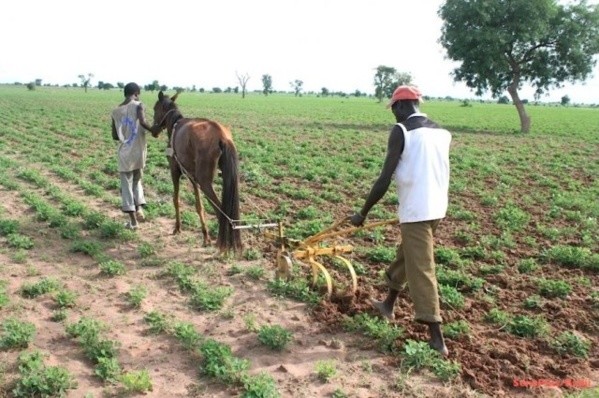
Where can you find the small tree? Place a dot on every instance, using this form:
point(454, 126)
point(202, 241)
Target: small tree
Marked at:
point(297, 86)
point(565, 100)
point(243, 81)
point(503, 100)
point(86, 80)
point(266, 84)
point(386, 79)
point(38, 82)
point(31, 86)
point(324, 92)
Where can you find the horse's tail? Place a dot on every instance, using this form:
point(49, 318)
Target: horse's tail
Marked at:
point(229, 239)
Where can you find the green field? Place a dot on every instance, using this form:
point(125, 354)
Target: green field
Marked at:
point(518, 254)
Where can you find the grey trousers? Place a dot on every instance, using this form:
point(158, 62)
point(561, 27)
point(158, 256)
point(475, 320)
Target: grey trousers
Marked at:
point(132, 192)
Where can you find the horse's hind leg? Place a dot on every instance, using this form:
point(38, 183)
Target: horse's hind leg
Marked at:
point(176, 177)
point(201, 213)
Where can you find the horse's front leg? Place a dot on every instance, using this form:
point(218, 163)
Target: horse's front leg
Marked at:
point(201, 213)
point(176, 176)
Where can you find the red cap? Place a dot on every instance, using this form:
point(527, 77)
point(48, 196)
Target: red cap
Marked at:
point(405, 93)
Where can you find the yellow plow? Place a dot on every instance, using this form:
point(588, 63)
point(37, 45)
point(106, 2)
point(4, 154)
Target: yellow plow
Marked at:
point(309, 249)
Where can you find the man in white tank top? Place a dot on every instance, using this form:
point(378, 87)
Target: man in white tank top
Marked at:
point(418, 155)
point(129, 127)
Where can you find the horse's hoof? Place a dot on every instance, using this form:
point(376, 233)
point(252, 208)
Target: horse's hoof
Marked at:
point(176, 231)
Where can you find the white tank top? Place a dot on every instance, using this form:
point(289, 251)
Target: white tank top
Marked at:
point(422, 174)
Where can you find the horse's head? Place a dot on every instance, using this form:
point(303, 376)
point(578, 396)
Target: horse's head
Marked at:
point(164, 107)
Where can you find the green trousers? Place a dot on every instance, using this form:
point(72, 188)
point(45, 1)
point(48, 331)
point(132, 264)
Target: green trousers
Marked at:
point(414, 264)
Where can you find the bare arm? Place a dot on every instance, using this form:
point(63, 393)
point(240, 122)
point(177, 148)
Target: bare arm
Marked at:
point(395, 146)
point(142, 119)
point(115, 135)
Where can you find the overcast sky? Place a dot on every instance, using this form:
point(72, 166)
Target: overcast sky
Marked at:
point(325, 43)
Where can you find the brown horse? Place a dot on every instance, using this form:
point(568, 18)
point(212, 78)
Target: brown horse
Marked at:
point(195, 148)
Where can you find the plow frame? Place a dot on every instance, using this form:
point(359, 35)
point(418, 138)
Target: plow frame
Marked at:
point(308, 250)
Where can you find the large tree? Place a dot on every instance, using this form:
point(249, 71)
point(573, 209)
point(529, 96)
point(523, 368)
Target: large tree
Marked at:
point(386, 79)
point(503, 44)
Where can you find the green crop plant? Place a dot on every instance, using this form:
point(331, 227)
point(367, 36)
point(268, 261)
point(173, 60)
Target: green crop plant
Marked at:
point(43, 286)
point(108, 369)
point(65, 298)
point(451, 297)
point(36, 379)
point(456, 330)
point(383, 333)
point(8, 227)
point(204, 297)
point(3, 294)
point(16, 333)
point(112, 268)
point(326, 370)
point(297, 289)
point(146, 250)
point(255, 272)
point(497, 317)
point(89, 247)
point(275, 337)
point(187, 335)
point(571, 343)
point(525, 326)
point(261, 385)
point(136, 381)
point(136, 295)
point(554, 288)
point(18, 241)
point(533, 302)
point(218, 361)
point(527, 265)
point(157, 321)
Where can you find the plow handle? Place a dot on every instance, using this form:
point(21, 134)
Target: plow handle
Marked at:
point(329, 233)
